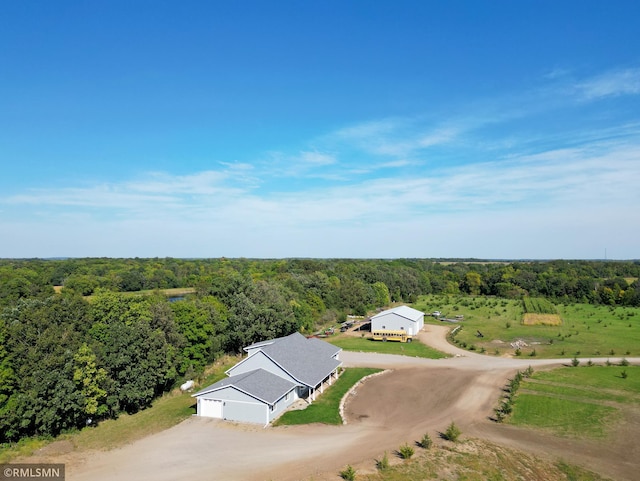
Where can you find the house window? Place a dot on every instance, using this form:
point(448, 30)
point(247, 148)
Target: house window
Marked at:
point(288, 396)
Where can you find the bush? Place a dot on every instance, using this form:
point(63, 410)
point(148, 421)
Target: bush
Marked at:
point(383, 463)
point(348, 473)
point(405, 451)
point(426, 442)
point(507, 407)
point(452, 433)
point(624, 374)
point(624, 362)
point(575, 362)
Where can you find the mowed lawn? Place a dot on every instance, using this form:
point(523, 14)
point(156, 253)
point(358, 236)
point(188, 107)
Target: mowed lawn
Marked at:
point(365, 344)
point(585, 331)
point(325, 409)
point(577, 402)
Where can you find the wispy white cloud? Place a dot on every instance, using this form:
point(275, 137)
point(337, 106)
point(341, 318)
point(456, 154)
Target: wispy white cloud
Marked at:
point(317, 158)
point(395, 137)
point(611, 84)
point(556, 73)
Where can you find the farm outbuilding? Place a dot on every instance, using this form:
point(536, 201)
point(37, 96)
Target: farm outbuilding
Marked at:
point(273, 376)
point(401, 318)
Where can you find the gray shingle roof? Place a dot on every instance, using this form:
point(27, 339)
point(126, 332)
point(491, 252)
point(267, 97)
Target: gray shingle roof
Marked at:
point(258, 383)
point(307, 360)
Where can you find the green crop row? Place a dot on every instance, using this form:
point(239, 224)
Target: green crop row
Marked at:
point(538, 305)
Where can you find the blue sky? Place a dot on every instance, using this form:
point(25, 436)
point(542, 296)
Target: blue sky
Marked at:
point(497, 129)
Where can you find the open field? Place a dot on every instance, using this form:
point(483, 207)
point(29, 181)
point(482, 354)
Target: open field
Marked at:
point(586, 330)
point(365, 344)
point(563, 416)
point(326, 408)
point(171, 292)
point(578, 402)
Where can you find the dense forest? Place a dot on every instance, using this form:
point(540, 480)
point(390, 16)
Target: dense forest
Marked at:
point(87, 350)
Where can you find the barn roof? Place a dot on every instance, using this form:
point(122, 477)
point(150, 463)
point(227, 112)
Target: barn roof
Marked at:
point(403, 311)
point(260, 384)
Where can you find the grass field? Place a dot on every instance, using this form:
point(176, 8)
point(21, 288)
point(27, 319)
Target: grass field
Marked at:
point(166, 411)
point(577, 402)
point(586, 330)
point(171, 292)
point(326, 408)
point(360, 344)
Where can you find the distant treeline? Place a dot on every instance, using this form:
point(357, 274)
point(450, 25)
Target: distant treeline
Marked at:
point(66, 358)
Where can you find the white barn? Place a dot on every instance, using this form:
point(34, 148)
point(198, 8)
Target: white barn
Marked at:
point(275, 374)
point(401, 318)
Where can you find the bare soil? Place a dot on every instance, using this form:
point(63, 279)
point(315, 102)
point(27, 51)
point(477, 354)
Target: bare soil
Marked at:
point(416, 396)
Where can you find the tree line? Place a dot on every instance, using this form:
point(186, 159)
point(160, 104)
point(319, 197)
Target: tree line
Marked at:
point(87, 350)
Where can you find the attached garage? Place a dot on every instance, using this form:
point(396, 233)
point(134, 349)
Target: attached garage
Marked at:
point(254, 397)
point(211, 408)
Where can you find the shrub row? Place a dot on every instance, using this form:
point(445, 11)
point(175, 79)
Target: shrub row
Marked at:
point(506, 405)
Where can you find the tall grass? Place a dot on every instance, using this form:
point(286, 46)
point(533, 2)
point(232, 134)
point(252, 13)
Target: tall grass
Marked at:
point(538, 305)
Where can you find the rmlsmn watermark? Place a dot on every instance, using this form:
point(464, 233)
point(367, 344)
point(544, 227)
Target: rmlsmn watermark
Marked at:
point(23, 472)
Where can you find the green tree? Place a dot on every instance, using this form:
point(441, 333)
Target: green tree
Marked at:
point(452, 433)
point(472, 283)
point(138, 362)
point(90, 379)
point(405, 451)
point(8, 421)
point(382, 296)
point(196, 326)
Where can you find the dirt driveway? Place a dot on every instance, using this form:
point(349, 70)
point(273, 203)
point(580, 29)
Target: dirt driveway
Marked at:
point(415, 396)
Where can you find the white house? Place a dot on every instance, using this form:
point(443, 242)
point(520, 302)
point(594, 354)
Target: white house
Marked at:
point(401, 318)
point(273, 375)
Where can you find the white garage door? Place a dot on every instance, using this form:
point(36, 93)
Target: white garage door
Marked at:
point(211, 408)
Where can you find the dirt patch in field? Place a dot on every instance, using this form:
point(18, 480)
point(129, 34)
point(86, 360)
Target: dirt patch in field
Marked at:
point(532, 319)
